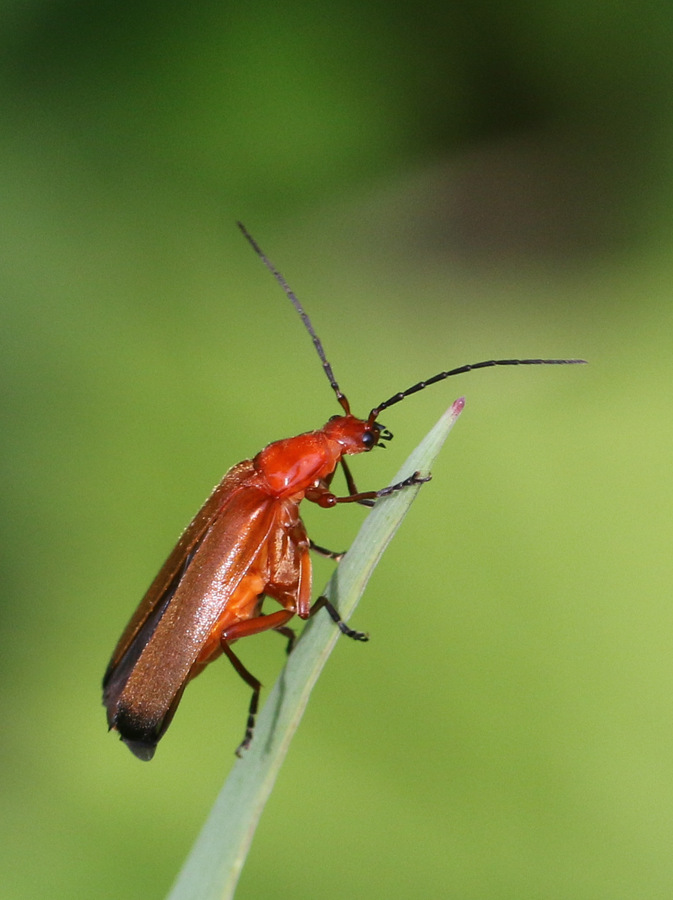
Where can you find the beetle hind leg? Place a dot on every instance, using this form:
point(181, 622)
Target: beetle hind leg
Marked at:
point(256, 686)
point(291, 636)
point(272, 622)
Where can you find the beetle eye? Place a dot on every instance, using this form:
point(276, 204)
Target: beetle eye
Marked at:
point(368, 440)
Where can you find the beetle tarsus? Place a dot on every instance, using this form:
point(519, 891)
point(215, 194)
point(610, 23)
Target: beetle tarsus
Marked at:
point(412, 480)
point(336, 618)
point(351, 633)
point(256, 686)
point(249, 730)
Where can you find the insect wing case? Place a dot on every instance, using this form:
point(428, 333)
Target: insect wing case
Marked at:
point(152, 661)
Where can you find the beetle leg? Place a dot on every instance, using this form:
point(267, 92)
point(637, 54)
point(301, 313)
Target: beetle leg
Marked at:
point(256, 686)
point(286, 632)
point(330, 554)
point(290, 634)
point(416, 478)
point(350, 481)
point(332, 610)
point(326, 499)
point(275, 621)
point(350, 484)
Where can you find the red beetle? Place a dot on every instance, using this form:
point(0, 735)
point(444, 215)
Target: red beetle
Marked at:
point(246, 543)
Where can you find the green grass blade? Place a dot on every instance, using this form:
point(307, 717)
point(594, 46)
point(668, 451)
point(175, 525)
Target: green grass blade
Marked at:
point(213, 867)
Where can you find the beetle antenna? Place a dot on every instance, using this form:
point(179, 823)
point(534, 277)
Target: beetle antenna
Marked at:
point(341, 397)
point(459, 371)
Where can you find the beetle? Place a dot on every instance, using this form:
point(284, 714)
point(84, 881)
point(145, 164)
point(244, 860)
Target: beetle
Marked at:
point(246, 543)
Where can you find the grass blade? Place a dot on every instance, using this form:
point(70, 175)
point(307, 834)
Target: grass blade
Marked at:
point(214, 865)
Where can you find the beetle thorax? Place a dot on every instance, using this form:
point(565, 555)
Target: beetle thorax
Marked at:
point(292, 465)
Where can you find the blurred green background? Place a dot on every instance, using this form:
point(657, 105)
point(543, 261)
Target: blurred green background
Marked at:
point(440, 185)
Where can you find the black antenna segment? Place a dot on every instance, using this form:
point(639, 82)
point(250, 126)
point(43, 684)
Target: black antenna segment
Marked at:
point(341, 397)
point(391, 401)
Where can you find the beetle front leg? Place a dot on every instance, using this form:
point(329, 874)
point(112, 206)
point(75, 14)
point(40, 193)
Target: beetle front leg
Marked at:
point(328, 554)
point(416, 478)
point(326, 499)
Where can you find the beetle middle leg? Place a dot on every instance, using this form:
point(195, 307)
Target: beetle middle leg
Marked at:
point(323, 602)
